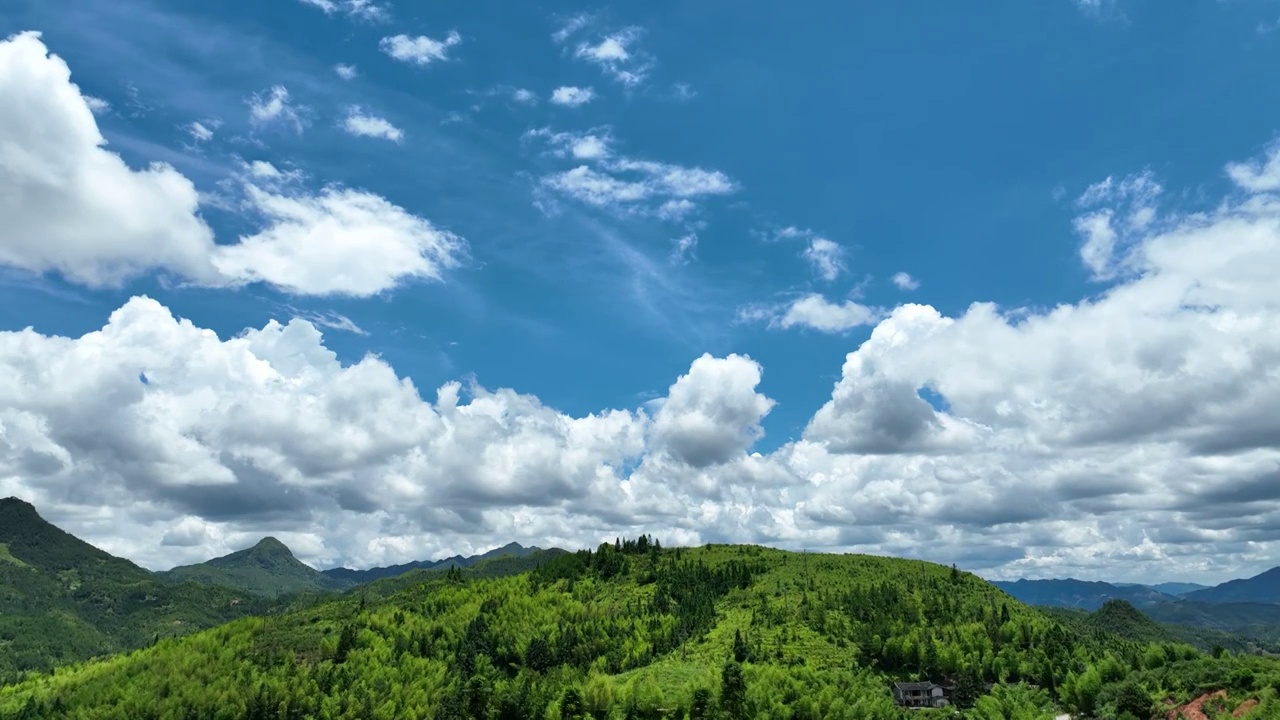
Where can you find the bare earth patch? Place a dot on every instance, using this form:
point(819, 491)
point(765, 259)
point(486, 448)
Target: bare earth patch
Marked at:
point(1194, 710)
point(1245, 707)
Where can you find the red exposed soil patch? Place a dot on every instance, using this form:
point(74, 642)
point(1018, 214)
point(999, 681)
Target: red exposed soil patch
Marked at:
point(1194, 710)
point(1245, 707)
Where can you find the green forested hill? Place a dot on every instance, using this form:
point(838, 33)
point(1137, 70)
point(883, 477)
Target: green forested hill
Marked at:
point(63, 600)
point(633, 631)
point(268, 569)
point(1118, 619)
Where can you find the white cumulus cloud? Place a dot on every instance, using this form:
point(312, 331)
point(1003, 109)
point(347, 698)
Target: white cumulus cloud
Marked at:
point(570, 96)
point(73, 207)
point(362, 124)
point(340, 241)
point(812, 311)
point(1137, 423)
point(904, 281)
point(419, 50)
point(825, 257)
point(70, 205)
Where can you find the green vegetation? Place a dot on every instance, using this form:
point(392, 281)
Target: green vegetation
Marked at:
point(268, 569)
point(63, 600)
point(7, 557)
point(635, 631)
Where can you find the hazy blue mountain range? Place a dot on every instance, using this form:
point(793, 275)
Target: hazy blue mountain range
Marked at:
point(1169, 588)
point(1081, 594)
point(1261, 588)
point(1209, 609)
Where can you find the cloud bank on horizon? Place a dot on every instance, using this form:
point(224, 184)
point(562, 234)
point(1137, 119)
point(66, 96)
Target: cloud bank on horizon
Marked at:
point(1131, 427)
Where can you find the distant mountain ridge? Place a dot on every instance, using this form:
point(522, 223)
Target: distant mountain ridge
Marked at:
point(1168, 588)
point(359, 577)
point(1261, 588)
point(1081, 594)
point(1209, 610)
point(1090, 595)
point(268, 569)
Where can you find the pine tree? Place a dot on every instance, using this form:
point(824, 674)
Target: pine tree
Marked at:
point(733, 692)
point(346, 643)
point(739, 647)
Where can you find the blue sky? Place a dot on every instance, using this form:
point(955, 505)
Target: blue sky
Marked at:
point(924, 139)
point(813, 151)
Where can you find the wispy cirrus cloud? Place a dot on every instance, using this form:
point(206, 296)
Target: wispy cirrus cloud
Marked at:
point(616, 56)
point(617, 182)
point(1100, 9)
point(825, 257)
point(97, 105)
point(199, 131)
point(570, 26)
point(593, 144)
point(1116, 213)
point(356, 9)
point(682, 248)
point(274, 106)
point(328, 319)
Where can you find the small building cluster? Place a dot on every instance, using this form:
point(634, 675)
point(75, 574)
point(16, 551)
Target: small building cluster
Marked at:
point(929, 694)
point(922, 694)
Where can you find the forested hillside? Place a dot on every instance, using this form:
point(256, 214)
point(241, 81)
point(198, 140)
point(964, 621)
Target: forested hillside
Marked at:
point(268, 569)
point(63, 600)
point(1118, 619)
point(634, 631)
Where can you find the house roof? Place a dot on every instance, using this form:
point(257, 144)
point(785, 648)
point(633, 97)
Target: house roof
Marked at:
point(913, 685)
